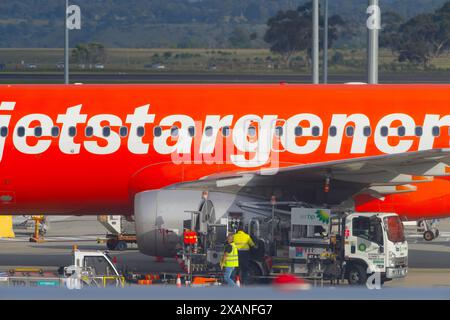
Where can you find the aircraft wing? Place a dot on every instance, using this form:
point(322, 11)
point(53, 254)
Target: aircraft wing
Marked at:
point(376, 175)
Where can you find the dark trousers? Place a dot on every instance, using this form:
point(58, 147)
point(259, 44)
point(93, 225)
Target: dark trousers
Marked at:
point(244, 261)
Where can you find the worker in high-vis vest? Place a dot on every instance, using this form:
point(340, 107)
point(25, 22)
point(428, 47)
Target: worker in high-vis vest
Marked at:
point(230, 261)
point(243, 242)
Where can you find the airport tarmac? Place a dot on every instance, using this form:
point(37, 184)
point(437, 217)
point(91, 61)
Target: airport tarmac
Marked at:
point(62, 235)
point(429, 262)
point(212, 77)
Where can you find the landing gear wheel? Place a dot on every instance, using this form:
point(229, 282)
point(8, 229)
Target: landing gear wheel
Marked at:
point(121, 246)
point(428, 235)
point(357, 275)
point(111, 244)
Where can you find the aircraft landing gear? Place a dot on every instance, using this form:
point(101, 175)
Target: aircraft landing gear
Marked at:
point(428, 235)
point(429, 228)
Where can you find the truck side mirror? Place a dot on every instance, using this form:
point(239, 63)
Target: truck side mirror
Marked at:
point(381, 249)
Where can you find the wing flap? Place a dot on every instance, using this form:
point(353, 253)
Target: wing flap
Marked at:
point(377, 175)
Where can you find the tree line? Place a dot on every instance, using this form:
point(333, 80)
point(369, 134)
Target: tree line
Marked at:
point(417, 40)
point(420, 39)
point(174, 23)
point(89, 54)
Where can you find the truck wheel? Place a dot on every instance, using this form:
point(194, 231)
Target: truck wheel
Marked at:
point(428, 235)
point(111, 244)
point(254, 273)
point(357, 275)
point(121, 246)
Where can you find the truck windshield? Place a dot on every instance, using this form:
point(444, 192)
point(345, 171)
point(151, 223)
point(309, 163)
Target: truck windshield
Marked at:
point(394, 228)
point(368, 228)
point(376, 231)
point(99, 266)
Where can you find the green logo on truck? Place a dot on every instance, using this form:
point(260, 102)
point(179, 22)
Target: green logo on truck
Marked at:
point(323, 216)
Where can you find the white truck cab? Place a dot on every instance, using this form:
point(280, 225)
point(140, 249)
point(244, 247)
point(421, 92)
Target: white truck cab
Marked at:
point(96, 263)
point(358, 245)
point(375, 243)
point(93, 268)
point(89, 268)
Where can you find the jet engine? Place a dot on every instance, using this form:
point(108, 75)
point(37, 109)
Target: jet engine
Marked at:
point(162, 216)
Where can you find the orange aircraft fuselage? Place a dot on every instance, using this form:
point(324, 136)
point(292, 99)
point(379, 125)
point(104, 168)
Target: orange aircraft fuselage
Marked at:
point(88, 149)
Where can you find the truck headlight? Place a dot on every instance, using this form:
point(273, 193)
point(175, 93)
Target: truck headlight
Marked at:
point(391, 259)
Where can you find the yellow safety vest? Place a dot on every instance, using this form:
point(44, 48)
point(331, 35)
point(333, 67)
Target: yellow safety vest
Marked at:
point(243, 241)
point(232, 259)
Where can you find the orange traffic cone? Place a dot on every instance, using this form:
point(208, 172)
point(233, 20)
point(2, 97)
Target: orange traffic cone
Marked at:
point(178, 281)
point(238, 281)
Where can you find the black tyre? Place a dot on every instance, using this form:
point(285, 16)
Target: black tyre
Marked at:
point(254, 273)
point(111, 244)
point(257, 253)
point(357, 275)
point(121, 246)
point(428, 235)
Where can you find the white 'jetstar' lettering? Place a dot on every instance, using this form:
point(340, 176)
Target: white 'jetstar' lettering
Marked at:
point(261, 147)
point(291, 125)
point(21, 144)
point(382, 142)
point(113, 140)
point(183, 141)
point(4, 123)
point(215, 123)
point(246, 147)
point(71, 119)
point(139, 119)
point(431, 121)
point(340, 122)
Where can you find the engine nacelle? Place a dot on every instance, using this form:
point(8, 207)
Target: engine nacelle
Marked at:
point(159, 216)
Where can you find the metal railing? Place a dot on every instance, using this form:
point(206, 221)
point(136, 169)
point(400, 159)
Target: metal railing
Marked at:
point(101, 282)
